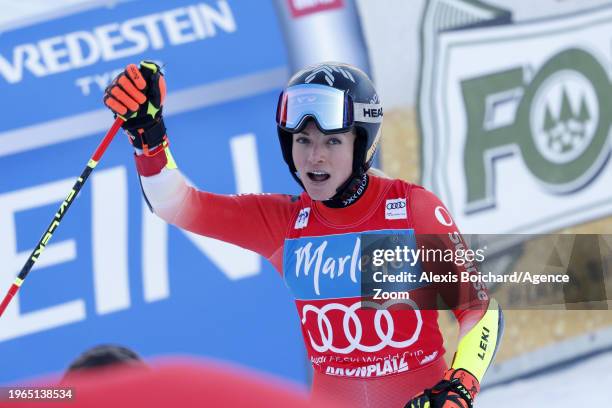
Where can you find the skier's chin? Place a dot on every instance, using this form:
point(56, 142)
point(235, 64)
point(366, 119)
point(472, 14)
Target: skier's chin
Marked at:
point(320, 191)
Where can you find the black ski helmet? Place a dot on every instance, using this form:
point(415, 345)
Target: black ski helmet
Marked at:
point(365, 115)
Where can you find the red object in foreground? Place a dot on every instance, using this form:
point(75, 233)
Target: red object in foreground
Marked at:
point(59, 215)
point(107, 139)
point(7, 298)
point(179, 384)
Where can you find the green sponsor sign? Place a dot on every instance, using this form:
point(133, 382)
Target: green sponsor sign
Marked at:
point(515, 117)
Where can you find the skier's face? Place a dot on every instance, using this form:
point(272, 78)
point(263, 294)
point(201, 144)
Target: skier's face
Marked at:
point(323, 161)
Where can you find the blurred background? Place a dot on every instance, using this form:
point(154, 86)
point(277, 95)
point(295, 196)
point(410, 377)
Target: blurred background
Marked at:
point(499, 107)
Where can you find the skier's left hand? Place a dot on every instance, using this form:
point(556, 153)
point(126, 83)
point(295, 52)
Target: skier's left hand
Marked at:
point(457, 389)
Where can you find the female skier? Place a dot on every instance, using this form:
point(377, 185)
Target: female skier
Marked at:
point(328, 120)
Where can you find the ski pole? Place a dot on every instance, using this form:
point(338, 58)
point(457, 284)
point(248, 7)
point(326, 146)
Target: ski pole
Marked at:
point(44, 240)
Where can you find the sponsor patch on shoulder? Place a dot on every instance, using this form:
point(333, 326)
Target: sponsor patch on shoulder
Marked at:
point(395, 209)
point(443, 216)
point(302, 218)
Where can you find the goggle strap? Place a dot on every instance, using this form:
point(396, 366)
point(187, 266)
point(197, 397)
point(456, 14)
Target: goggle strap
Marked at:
point(348, 110)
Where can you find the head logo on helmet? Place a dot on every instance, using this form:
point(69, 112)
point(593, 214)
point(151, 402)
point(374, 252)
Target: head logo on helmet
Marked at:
point(328, 71)
point(361, 110)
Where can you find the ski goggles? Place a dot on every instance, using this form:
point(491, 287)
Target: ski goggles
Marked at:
point(333, 109)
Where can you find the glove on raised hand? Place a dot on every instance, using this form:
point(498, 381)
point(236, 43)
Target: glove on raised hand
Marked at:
point(137, 96)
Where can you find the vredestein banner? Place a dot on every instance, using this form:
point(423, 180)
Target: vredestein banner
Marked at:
point(515, 118)
point(114, 272)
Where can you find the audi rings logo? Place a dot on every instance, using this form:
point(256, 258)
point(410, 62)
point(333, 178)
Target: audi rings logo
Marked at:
point(396, 205)
point(395, 209)
point(326, 329)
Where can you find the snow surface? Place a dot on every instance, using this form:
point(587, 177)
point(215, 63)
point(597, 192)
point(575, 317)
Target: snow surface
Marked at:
point(580, 385)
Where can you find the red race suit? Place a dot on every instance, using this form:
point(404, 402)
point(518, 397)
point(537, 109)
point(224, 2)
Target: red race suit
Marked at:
point(316, 250)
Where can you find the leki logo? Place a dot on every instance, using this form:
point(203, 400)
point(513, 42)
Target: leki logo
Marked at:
point(557, 128)
point(328, 72)
point(300, 8)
